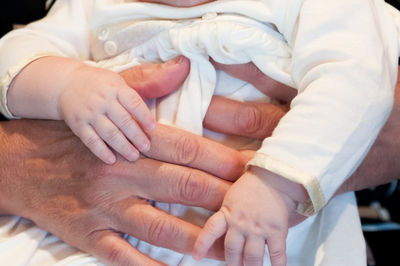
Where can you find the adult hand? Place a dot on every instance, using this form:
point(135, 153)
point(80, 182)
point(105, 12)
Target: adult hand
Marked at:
point(48, 176)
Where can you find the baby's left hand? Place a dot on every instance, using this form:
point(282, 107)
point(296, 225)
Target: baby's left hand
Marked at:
point(254, 213)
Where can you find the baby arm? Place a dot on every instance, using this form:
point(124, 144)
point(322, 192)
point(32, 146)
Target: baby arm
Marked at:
point(97, 104)
point(256, 210)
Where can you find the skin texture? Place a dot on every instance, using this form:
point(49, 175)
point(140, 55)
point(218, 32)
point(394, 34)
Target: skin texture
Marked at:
point(48, 175)
point(249, 225)
point(246, 224)
point(97, 104)
point(88, 208)
point(63, 188)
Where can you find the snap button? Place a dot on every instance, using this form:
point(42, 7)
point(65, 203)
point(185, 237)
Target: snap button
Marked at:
point(102, 33)
point(110, 48)
point(209, 15)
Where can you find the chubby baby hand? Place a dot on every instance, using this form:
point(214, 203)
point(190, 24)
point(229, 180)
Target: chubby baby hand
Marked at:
point(101, 109)
point(254, 212)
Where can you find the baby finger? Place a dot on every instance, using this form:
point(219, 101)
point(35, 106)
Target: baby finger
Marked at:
point(125, 122)
point(96, 145)
point(135, 105)
point(111, 134)
point(214, 228)
point(276, 243)
point(254, 250)
point(234, 242)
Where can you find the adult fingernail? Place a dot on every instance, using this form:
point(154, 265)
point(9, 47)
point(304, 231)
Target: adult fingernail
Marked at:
point(175, 61)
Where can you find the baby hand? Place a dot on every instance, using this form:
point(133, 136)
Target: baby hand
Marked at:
point(101, 108)
point(255, 212)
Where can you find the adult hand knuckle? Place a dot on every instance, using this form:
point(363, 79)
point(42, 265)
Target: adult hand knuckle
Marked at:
point(160, 231)
point(248, 120)
point(115, 254)
point(97, 190)
point(272, 120)
point(232, 167)
point(191, 188)
point(186, 150)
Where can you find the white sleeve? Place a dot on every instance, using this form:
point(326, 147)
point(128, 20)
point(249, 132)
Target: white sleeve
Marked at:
point(63, 32)
point(345, 68)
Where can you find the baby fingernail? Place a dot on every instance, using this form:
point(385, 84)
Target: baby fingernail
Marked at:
point(133, 156)
point(111, 160)
point(145, 146)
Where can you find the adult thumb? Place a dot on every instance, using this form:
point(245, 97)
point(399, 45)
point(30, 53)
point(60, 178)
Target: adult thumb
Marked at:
point(157, 80)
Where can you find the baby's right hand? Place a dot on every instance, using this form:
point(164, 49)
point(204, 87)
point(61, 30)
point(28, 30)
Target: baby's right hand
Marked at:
point(101, 108)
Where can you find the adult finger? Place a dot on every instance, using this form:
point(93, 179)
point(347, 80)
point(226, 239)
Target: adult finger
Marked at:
point(255, 120)
point(254, 250)
point(156, 80)
point(250, 73)
point(111, 248)
point(178, 3)
point(164, 182)
point(184, 148)
point(158, 227)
